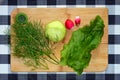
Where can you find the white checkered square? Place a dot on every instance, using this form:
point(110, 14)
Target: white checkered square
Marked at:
point(117, 9)
point(4, 68)
point(3, 10)
point(4, 29)
point(117, 49)
point(117, 68)
point(4, 49)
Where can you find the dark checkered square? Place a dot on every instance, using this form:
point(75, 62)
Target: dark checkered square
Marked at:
point(70, 2)
point(12, 2)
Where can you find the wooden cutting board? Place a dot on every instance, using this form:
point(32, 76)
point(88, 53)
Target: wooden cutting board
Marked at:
point(99, 60)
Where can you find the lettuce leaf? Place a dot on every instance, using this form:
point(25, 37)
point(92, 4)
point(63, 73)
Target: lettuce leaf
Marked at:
point(77, 53)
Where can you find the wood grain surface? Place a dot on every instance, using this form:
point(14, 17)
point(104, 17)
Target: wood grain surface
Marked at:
point(99, 60)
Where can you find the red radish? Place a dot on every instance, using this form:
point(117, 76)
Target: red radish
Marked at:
point(77, 20)
point(69, 24)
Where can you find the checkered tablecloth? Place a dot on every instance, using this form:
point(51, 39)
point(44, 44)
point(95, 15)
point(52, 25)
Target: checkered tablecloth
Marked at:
point(111, 73)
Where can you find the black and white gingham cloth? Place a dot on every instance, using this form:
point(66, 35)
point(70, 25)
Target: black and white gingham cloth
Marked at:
point(111, 73)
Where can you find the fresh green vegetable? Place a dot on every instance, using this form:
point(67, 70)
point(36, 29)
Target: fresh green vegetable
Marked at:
point(77, 53)
point(21, 18)
point(31, 44)
point(55, 31)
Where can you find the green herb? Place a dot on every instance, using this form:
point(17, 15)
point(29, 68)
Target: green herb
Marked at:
point(21, 18)
point(77, 53)
point(31, 44)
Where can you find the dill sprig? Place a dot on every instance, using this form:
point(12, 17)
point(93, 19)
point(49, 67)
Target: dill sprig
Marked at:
point(31, 44)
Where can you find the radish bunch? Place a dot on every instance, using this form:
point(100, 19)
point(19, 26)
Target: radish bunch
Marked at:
point(69, 24)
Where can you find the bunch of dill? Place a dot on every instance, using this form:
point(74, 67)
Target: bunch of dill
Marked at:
point(31, 44)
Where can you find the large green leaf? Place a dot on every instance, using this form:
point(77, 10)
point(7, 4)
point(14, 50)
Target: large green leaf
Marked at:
point(77, 53)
